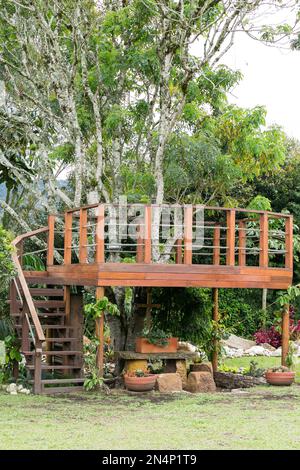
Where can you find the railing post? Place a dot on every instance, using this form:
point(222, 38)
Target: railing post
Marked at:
point(68, 238)
point(148, 234)
point(38, 367)
point(242, 243)
point(216, 243)
point(230, 238)
point(289, 242)
point(264, 241)
point(50, 245)
point(188, 234)
point(83, 252)
point(99, 239)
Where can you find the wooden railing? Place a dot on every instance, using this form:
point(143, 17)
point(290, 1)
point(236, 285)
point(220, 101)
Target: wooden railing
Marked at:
point(230, 233)
point(20, 289)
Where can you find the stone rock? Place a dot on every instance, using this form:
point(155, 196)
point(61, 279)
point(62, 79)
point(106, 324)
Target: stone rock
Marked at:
point(25, 391)
point(186, 346)
point(200, 382)
point(231, 381)
point(13, 392)
point(276, 353)
point(169, 383)
point(257, 350)
point(233, 352)
point(11, 388)
point(19, 388)
point(238, 343)
point(202, 367)
point(181, 370)
point(268, 346)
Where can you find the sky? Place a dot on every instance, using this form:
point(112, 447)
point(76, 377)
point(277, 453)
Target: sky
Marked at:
point(271, 78)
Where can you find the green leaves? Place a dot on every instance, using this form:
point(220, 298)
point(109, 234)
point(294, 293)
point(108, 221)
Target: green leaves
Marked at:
point(95, 310)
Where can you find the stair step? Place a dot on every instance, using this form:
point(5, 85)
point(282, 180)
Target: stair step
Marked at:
point(45, 292)
point(58, 340)
point(52, 390)
point(49, 367)
point(60, 381)
point(41, 314)
point(54, 353)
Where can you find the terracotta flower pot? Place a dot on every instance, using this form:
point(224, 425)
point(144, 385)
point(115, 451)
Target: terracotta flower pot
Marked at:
point(142, 345)
point(280, 378)
point(140, 384)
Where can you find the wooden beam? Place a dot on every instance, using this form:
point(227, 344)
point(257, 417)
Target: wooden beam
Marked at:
point(83, 252)
point(68, 238)
point(285, 334)
point(100, 335)
point(216, 243)
point(188, 234)
point(230, 238)
point(289, 243)
point(215, 316)
point(50, 245)
point(147, 230)
point(264, 241)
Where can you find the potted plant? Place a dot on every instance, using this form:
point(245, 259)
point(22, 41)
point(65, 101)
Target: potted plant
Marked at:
point(155, 340)
point(139, 380)
point(280, 376)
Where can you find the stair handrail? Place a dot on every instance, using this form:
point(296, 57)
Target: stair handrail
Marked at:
point(26, 292)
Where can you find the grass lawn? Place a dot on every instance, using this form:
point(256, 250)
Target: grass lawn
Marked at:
point(263, 361)
point(260, 418)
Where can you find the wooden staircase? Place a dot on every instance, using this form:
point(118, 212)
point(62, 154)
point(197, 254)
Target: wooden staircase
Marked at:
point(50, 340)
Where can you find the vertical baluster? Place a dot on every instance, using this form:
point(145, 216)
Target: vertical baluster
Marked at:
point(216, 243)
point(68, 238)
point(50, 245)
point(289, 242)
point(38, 367)
point(188, 234)
point(139, 245)
point(242, 243)
point(178, 257)
point(147, 241)
point(99, 329)
point(99, 238)
point(230, 252)
point(264, 241)
point(83, 252)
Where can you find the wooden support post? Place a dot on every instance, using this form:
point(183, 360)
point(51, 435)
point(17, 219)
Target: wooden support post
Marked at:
point(50, 247)
point(149, 307)
point(20, 250)
point(67, 300)
point(230, 252)
point(83, 251)
point(242, 243)
point(215, 316)
point(99, 240)
point(285, 334)
point(188, 234)
point(289, 242)
point(178, 256)
point(148, 223)
point(68, 238)
point(216, 243)
point(100, 335)
point(38, 367)
point(139, 245)
point(264, 241)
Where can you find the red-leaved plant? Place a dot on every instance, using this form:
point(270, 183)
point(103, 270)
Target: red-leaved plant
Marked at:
point(272, 335)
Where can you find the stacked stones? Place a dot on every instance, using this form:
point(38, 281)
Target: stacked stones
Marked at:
point(197, 381)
